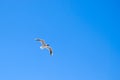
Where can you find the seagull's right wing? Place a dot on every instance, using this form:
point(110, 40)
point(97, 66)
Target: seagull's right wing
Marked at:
point(42, 41)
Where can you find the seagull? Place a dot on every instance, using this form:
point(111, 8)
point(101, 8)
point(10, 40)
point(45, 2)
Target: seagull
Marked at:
point(45, 46)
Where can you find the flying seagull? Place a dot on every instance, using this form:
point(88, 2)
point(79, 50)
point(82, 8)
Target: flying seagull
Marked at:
point(45, 46)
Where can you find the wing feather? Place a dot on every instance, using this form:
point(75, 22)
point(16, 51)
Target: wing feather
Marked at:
point(50, 50)
point(42, 41)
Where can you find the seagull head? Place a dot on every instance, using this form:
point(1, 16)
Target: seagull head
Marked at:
point(48, 45)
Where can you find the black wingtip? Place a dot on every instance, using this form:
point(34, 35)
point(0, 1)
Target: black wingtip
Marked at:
point(37, 39)
point(51, 53)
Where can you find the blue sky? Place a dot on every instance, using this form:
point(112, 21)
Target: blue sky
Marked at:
point(84, 36)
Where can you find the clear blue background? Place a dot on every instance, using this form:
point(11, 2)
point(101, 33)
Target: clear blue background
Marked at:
point(84, 35)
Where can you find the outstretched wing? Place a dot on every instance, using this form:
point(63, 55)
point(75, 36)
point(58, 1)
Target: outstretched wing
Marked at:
point(42, 41)
point(50, 50)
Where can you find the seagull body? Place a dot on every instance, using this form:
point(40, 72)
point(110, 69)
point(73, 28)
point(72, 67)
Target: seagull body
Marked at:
point(45, 46)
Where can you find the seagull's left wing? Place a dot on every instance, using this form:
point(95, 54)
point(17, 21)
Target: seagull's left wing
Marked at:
point(50, 50)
